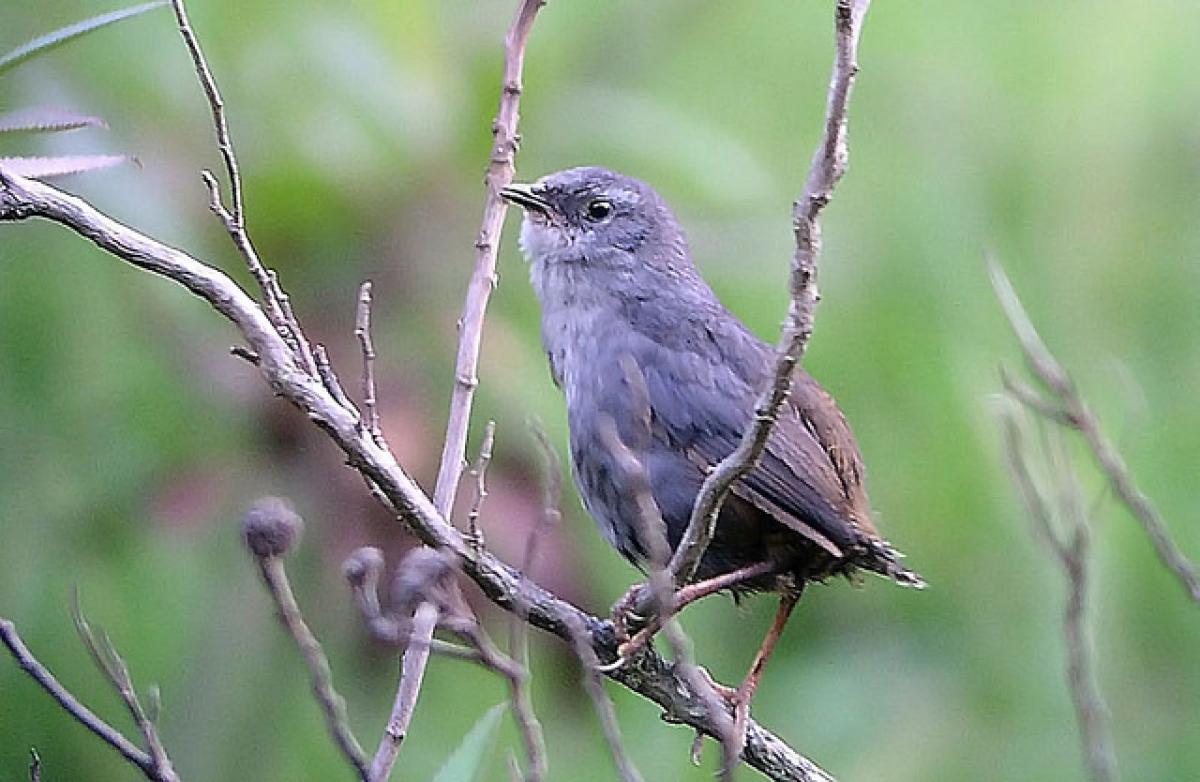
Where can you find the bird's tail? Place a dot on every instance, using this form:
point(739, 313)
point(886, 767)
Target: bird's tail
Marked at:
point(879, 556)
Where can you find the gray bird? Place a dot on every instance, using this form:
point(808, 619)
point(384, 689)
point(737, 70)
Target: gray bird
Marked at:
point(633, 333)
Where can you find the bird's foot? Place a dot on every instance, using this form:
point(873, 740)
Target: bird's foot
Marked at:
point(628, 613)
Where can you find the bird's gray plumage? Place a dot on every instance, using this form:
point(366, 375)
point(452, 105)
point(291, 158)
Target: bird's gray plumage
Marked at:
point(635, 337)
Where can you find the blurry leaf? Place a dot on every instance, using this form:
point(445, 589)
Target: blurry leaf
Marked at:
point(42, 119)
point(464, 763)
point(60, 165)
point(52, 40)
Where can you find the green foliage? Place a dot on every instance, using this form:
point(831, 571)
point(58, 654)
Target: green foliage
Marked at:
point(467, 760)
point(43, 44)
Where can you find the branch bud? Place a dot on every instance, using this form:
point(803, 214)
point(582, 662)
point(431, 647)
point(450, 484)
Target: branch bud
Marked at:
point(271, 527)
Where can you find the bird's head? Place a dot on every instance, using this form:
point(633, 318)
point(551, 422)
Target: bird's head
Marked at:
point(596, 218)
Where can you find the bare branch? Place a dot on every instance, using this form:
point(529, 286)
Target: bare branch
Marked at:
point(330, 379)
point(1075, 413)
point(275, 303)
point(271, 528)
point(828, 166)
point(411, 675)
point(112, 665)
point(82, 714)
point(592, 683)
point(1070, 541)
point(35, 765)
point(474, 534)
point(483, 279)
point(362, 331)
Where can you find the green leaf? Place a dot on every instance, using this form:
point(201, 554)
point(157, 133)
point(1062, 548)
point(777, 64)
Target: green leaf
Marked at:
point(466, 760)
point(52, 40)
point(42, 119)
point(60, 165)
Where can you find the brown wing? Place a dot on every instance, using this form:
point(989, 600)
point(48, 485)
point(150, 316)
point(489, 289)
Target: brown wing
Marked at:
point(811, 475)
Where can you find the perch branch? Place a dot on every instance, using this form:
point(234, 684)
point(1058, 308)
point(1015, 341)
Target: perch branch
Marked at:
point(828, 166)
point(483, 279)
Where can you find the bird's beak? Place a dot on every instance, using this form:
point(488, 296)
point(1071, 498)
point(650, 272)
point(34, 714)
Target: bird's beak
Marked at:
point(526, 197)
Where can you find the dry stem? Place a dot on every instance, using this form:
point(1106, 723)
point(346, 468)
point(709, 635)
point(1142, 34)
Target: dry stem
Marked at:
point(828, 166)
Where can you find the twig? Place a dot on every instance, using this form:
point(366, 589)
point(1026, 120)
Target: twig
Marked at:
point(112, 665)
point(474, 534)
point(653, 677)
point(362, 331)
point(330, 379)
point(362, 569)
point(271, 529)
point(1071, 547)
point(651, 531)
point(517, 675)
point(483, 279)
point(413, 664)
point(35, 765)
point(605, 711)
point(426, 578)
point(82, 714)
point(1069, 409)
point(828, 166)
point(278, 309)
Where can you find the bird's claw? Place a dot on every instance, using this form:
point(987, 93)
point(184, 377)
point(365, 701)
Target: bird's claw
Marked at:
point(625, 612)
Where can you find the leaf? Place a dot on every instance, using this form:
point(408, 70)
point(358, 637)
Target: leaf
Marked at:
point(42, 119)
point(60, 165)
point(52, 40)
point(465, 761)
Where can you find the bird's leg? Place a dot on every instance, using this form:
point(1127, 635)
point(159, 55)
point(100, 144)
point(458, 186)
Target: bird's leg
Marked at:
point(685, 596)
point(745, 691)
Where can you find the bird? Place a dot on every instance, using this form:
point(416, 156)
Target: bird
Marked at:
point(640, 345)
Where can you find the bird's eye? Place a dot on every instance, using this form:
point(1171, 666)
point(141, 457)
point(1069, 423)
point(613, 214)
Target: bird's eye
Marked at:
point(599, 210)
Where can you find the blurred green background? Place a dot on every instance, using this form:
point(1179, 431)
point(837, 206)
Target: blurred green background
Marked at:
point(1065, 137)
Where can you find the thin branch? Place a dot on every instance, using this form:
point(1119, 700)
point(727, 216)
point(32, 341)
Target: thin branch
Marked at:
point(1070, 541)
point(82, 714)
point(333, 705)
point(592, 683)
point(275, 303)
point(413, 671)
point(483, 279)
point(1069, 409)
point(331, 381)
point(113, 666)
point(828, 166)
point(474, 534)
point(35, 765)
point(362, 331)
point(217, 106)
point(651, 530)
